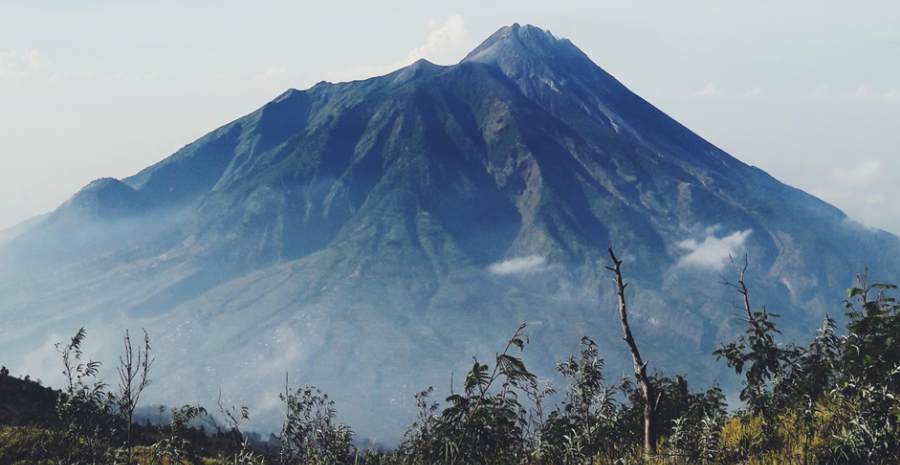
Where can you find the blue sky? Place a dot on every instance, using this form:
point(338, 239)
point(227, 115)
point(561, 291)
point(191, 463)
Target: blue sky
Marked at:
point(807, 90)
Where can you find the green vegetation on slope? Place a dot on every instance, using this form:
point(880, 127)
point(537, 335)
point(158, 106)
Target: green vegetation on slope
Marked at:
point(833, 401)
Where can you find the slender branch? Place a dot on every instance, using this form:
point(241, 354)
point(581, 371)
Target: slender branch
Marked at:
point(134, 377)
point(741, 287)
point(639, 365)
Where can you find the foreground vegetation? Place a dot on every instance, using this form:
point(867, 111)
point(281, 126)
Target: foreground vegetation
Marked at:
point(834, 401)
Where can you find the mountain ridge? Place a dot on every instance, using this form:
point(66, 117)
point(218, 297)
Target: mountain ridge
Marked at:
point(348, 232)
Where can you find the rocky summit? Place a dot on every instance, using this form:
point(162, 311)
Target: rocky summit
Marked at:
point(372, 236)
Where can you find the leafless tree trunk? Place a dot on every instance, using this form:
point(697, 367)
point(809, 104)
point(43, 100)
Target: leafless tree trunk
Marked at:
point(741, 287)
point(651, 397)
point(134, 377)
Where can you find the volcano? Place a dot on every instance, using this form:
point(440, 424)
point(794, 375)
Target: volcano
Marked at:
point(370, 237)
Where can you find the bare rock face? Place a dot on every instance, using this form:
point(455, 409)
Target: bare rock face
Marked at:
point(370, 237)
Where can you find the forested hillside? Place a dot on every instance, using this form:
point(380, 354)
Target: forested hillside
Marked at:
point(835, 400)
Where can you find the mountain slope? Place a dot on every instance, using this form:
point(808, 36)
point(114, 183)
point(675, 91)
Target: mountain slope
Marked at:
point(369, 236)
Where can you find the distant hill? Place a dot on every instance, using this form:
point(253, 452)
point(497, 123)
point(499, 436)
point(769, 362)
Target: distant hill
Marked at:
point(25, 402)
point(367, 236)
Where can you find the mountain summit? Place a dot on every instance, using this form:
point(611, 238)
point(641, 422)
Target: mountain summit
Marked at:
point(367, 236)
point(524, 45)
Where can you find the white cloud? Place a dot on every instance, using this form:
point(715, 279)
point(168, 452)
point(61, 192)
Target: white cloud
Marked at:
point(712, 252)
point(709, 90)
point(753, 92)
point(852, 182)
point(712, 89)
point(865, 171)
point(875, 199)
point(273, 72)
point(864, 92)
point(446, 43)
point(16, 64)
point(863, 185)
point(868, 92)
point(519, 265)
point(443, 44)
point(43, 362)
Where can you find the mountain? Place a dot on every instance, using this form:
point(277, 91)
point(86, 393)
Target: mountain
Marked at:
point(371, 236)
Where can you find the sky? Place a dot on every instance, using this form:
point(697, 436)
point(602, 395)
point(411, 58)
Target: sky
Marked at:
point(806, 90)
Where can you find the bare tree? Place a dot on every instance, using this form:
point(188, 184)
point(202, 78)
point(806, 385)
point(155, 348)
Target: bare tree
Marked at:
point(741, 287)
point(134, 377)
point(651, 397)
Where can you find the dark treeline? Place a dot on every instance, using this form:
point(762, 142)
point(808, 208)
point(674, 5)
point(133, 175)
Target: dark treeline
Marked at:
point(833, 401)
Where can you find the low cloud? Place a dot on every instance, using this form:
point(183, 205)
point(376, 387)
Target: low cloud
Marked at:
point(519, 265)
point(712, 252)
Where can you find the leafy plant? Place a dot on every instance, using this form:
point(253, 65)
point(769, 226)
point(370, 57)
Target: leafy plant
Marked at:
point(311, 434)
point(174, 447)
point(85, 409)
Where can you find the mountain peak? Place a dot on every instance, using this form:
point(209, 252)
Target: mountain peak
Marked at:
point(521, 51)
point(418, 68)
point(106, 198)
point(518, 42)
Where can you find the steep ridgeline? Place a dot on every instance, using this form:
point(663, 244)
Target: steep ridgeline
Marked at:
point(368, 236)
